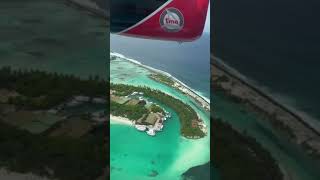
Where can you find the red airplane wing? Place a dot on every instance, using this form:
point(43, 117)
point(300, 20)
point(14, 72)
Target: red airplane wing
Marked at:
point(176, 20)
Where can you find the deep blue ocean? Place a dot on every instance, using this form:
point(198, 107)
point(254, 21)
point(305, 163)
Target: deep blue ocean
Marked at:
point(189, 61)
point(274, 43)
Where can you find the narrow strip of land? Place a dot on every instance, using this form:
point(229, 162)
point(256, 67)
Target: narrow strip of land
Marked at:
point(192, 126)
point(300, 129)
point(92, 7)
point(167, 79)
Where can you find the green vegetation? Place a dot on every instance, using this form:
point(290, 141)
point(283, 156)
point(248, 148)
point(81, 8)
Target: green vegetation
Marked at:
point(156, 108)
point(162, 79)
point(22, 151)
point(132, 112)
point(237, 156)
point(80, 149)
point(186, 113)
point(42, 90)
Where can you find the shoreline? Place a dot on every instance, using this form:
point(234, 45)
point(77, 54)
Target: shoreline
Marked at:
point(192, 125)
point(222, 66)
point(120, 120)
point(239, 87)
point(192, 93)
point(90, 6)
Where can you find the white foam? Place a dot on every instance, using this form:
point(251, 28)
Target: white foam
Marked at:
point(284, 100)
point(161, 72)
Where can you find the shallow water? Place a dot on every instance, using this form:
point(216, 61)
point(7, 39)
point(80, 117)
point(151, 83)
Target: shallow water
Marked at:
point(136, 155)
point(52, 36)
point(276, 49)
point(189, 61)
point(290, 156)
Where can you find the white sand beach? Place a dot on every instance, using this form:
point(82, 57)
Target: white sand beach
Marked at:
point(205, 102)
point(120, 120)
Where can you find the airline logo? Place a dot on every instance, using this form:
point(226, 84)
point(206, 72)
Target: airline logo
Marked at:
point(171, 20)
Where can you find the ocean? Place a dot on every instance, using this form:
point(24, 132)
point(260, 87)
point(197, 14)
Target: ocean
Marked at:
point(52, 36)
point(188, 62)
point(292, 159)
point(275, 44)
point(135, 155)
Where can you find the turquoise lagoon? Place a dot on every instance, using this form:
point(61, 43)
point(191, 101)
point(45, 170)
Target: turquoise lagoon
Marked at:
point(136, 156)
point(54, 37)
point(291, 158)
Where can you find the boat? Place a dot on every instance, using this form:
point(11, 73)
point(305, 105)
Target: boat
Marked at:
point(151, 132)
point(168, 115)
point(140, 127)
point(159, 127)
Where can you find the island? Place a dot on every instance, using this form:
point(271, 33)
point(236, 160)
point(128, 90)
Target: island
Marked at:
point(287, 128)
point(53, 125)
point(131, 103)
point(52, 114)
point(298, 128)
point(180, 86)
point(169, 80)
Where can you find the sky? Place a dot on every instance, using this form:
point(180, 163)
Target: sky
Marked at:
point(207, 25)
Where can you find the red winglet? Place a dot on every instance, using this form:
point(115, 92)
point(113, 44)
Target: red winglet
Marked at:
point(176, 20)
